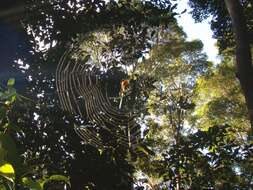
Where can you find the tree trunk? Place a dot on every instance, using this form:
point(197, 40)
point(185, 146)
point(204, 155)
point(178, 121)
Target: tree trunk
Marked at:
point(243, 54)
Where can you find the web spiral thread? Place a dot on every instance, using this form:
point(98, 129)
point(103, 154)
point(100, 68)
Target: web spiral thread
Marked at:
point(80, 93)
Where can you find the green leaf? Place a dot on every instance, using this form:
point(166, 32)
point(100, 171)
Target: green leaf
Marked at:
point(56, 178)
point(59, 178)
point(9, 146)
point(2, 153)
point(32, 185)
point(2, 187)
point(11, 82)
point(7, 171)
point(2, 113)
point(144, 149)
point(6, 125)
point(9, 95)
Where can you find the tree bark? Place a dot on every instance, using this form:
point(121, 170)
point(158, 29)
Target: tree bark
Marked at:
point(243, 54)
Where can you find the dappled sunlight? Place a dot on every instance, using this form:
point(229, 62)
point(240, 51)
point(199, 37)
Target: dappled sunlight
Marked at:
point(126, 95)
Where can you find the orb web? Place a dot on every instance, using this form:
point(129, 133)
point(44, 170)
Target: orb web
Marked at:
point(79, 87)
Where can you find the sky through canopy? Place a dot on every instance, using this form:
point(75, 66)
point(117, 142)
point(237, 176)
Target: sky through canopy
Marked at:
point(200, 31)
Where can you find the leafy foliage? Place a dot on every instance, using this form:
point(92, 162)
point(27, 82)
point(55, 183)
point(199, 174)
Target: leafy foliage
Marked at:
point(224, 103)
point(221, 23)
point(12, 167)
point(191, 112)
point(204, 159)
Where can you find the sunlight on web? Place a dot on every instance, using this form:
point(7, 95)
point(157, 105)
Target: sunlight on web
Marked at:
point(79, 86)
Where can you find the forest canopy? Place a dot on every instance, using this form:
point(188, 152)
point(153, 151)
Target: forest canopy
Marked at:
point(117, 97)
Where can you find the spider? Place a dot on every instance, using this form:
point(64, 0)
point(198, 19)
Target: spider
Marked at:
point(124, 84)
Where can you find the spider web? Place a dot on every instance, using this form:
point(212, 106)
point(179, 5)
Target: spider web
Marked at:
point(79, 87)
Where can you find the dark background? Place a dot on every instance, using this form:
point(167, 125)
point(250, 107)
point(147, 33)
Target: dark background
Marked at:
point(13, 41)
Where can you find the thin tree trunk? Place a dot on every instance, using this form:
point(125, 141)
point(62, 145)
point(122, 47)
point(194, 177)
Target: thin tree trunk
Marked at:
point(243, 54)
